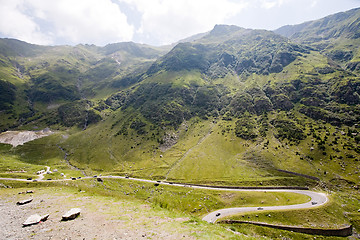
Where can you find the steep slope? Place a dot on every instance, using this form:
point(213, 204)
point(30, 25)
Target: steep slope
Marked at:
point(343, 24)
point(336, 35)
point(230, 46)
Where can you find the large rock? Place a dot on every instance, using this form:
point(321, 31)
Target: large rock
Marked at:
point(71, 214)
point(24, 201)
point(35, 219)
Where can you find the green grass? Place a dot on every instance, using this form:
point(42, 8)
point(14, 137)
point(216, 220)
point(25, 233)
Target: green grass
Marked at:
point(205, 153)
point(25, 160)
point(270, 233)
point(11, 166)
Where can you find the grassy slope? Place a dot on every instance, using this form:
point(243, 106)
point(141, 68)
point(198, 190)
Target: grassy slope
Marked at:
point(217, 150)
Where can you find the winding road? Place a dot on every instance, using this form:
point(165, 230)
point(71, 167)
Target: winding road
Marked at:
point(317, 199)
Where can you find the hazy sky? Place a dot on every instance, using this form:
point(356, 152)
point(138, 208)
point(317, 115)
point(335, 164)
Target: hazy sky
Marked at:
point(154, 22)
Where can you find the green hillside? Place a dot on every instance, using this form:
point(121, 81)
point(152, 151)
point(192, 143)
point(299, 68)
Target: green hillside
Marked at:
point(337, 36)
point(246, 93)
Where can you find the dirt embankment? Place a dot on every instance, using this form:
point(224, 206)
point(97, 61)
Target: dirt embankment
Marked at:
point(100, 218)
point(16, 138)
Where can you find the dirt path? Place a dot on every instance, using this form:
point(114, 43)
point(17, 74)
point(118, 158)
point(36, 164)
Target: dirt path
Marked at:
point(41, 175)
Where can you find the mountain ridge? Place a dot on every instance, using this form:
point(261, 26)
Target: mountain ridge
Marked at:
point(293, 31)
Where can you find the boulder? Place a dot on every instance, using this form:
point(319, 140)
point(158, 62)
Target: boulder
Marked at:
point(71, 214)
point(35, 219)
point(24, 201)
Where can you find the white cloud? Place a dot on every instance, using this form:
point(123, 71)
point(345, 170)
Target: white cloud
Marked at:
point(169, 21)
point(152, 21)
point(80, 21)
point(15, 24)
point(268, 4)
point(313, 4)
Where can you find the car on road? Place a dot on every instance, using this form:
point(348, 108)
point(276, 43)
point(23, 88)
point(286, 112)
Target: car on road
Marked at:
point(313, 203)
point(260, 208)
point(218, 214)
point(29, 178)
point(73, 178)
point(49, 179)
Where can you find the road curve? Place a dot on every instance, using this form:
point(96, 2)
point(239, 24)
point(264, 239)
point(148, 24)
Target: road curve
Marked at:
point(317, 199)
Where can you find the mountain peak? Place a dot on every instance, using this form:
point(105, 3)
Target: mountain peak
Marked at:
point(221, 29)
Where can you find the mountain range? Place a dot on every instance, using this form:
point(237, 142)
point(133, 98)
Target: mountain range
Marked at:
point(230, 106)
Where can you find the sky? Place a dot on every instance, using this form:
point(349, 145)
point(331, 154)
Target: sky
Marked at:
point(154, 22)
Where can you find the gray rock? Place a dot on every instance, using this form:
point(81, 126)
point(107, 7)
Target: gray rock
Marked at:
point(35, 219)
point(71, 214)
point(24, 201)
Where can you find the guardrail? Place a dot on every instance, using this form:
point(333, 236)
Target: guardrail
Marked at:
point(339, 232)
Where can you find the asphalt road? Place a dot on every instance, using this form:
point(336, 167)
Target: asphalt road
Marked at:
point(317, 199)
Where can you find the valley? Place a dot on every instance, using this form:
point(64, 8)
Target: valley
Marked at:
point(233, 109)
